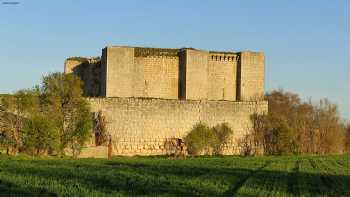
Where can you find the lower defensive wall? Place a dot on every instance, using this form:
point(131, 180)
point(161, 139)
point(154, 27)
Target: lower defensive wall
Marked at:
point(141, 126)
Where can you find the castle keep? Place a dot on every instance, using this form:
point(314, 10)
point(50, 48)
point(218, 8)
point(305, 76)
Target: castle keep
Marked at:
point(149, 95)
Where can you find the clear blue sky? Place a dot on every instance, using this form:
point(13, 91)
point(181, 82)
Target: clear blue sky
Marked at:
point(306, 42)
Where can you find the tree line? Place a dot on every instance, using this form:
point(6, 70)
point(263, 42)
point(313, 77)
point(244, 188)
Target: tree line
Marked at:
point(293, 126)
point(54, 117)
point(47, 119)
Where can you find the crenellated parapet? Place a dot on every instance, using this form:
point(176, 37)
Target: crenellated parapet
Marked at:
point(223, 56)
point(158, 52)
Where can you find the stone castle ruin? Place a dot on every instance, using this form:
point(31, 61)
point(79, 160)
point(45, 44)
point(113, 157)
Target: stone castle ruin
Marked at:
point(151, 95)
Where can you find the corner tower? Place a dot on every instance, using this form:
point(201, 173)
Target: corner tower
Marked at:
point(117, 69)
point(251, 76)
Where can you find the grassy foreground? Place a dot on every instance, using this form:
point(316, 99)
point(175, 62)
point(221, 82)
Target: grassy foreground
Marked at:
point(160, 176)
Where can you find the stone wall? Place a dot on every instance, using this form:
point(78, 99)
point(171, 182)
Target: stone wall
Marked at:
point(71, 64)
point(156, 77)
point(142, 126)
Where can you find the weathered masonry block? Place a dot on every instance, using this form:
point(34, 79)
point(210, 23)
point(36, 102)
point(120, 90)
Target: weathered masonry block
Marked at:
point(149, 95)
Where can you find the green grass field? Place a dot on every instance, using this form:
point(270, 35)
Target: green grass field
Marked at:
point(161, 176)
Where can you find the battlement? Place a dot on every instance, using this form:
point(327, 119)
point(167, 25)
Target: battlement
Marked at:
point(168, 73)
point(158, 52)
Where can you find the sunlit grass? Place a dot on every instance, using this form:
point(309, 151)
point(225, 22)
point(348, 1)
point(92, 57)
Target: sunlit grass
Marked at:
point(161, 176)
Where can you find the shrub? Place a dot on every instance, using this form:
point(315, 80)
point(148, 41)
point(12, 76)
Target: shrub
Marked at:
point(204, 140)
point(246, 145)
point(199, 139)
point(222, 133)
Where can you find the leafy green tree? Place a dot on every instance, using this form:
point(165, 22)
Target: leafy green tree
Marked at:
point(62, 94)
point(23, 102)
point(9, 132)
point(47, 114)
point(40, 134)
point(18, 106)
point(79, 128)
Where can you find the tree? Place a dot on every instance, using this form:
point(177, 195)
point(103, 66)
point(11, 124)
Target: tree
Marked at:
point(347, 138)
point(18, 107)
point(295, 126)
point(40, 134)
point(51, 116)
point(9, 133)
point(279, 137)
point(254, 143)
point(23, 102)
point(62, 94)
point(331, 133)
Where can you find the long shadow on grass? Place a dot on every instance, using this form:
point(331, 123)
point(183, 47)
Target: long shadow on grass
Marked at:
point(175, 180)
point(129, 180)
point(235, 187)
point(8, 189)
